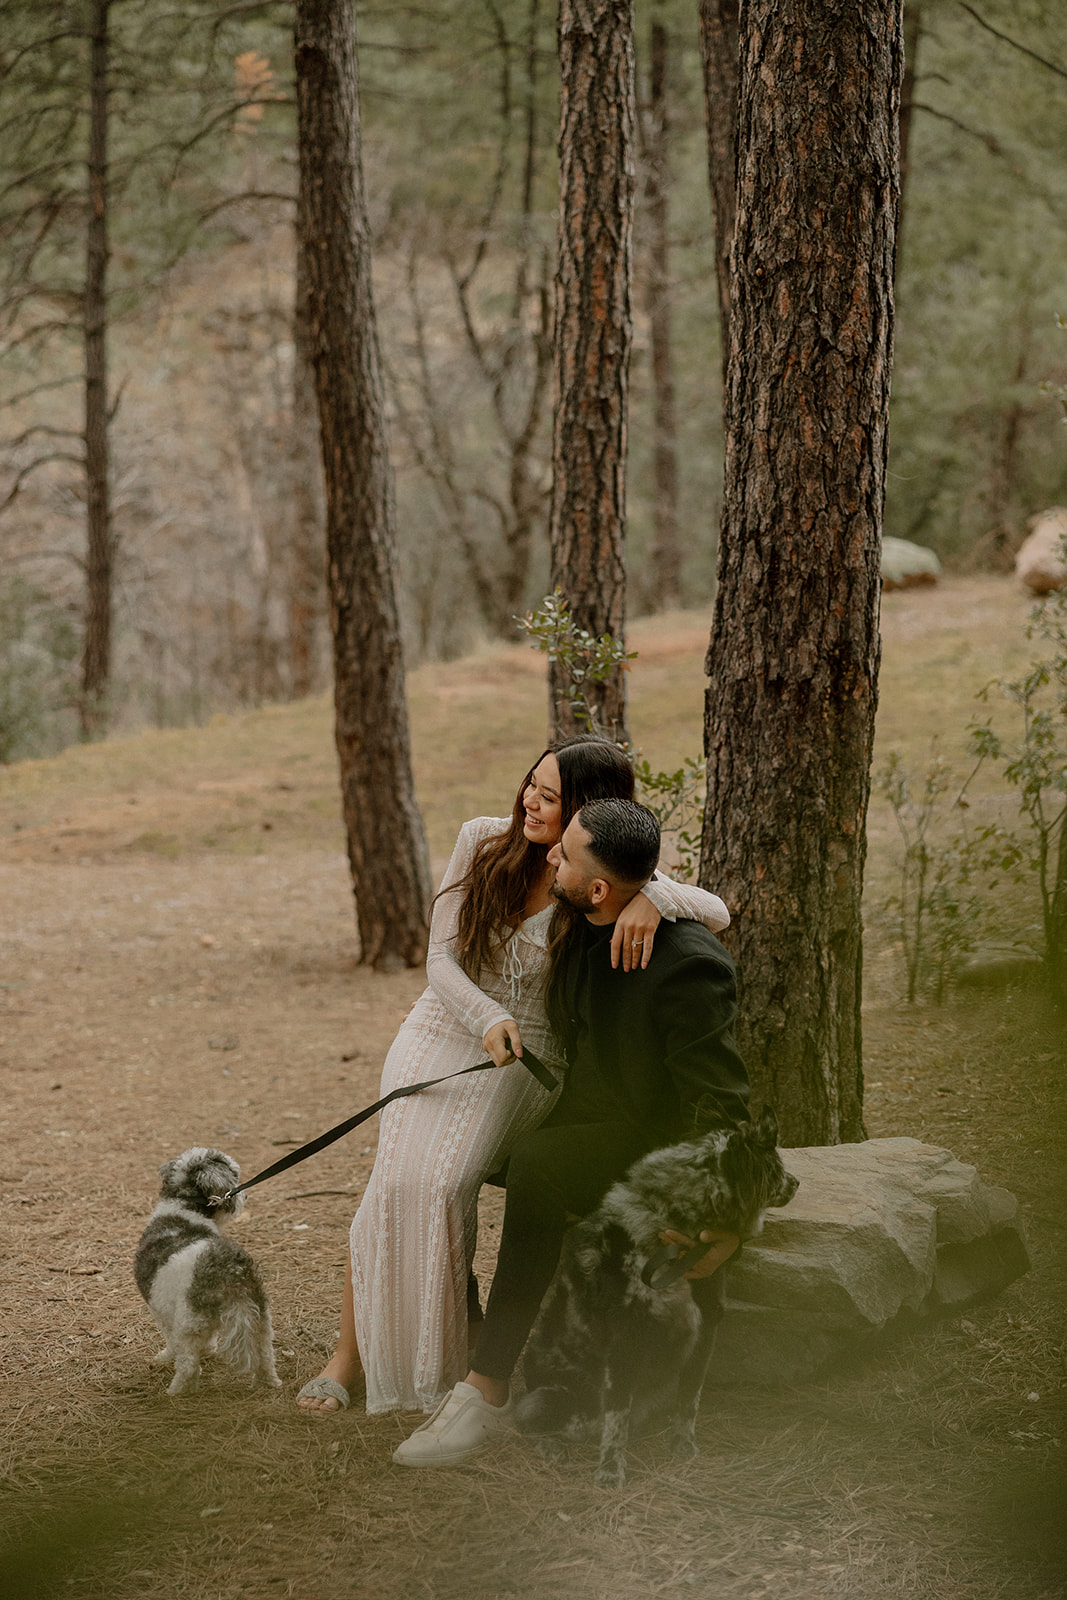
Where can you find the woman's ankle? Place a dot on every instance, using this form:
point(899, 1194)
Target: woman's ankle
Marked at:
point(343, 1365)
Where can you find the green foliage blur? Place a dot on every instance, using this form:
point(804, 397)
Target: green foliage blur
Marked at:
point(38, 647)
point(975, 444)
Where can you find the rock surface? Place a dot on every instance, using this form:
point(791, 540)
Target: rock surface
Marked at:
point(1039, 564)
point(995, 966)
point(879, 1237)
point(908, 566)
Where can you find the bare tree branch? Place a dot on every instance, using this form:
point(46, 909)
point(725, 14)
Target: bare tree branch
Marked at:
point(1025, 49)
point(39, 44)
point(503, 149)
point(47, 170)
point(113, 409)
point(39, 427)
point(236, 199)
point(474, 342)
point(39, 388)
point(991, 143)
point(38, 331)
point(442, 462)
point(34, 114)
point(47, 555)
point(20, 479)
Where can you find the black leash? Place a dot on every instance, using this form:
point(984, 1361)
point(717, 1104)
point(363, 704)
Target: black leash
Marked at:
point(530, 1061)
point(664, 1267)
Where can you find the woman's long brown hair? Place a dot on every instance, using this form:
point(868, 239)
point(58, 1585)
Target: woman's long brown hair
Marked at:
point(507, 866)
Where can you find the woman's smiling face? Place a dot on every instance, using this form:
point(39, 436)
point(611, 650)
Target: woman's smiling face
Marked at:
point(541, 803)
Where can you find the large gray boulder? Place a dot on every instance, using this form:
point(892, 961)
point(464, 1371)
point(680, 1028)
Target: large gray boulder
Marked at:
point(1040, 565)
point(908, 566)
point(878, 1237)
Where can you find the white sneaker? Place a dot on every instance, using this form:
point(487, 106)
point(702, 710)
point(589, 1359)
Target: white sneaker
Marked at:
point(463, 1423)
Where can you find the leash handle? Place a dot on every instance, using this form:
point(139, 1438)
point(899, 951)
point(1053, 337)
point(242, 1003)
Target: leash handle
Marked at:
point(529, 1060)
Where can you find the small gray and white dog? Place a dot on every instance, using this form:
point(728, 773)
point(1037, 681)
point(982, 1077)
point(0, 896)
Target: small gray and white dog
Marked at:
point(203, 1290)
point(607, 1350)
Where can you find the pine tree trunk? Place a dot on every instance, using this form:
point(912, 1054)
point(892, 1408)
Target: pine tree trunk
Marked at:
point(718, 47)
point(96, 650)
point(307, 556)
point(386, 844)
point(593, 334)
point(794, 649)
point(666, 588)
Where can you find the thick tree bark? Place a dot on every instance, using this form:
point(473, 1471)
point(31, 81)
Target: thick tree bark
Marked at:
point(794, 650)
point(96, 651)
point(718, 47)
point(666, 587)
point(307, 563)
point(386, 844)
point(593, 334)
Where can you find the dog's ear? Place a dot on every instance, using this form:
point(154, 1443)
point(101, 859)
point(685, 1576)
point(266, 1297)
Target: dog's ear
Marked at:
point(767, 1129)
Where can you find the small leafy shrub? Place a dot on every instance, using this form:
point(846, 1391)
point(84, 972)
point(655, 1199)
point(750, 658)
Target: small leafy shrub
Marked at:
point(1035, 763)
point(676, 799)
point(585, 658)
point(944, 902)
point(945, 906)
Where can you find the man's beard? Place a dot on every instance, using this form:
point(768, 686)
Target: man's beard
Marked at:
point(572, 900)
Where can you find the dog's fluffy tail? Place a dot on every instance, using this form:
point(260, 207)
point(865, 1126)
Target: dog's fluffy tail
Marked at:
point(240, 1336)
point(545, 1410)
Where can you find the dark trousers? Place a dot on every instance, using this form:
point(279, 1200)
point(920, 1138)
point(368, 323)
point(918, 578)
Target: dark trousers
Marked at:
point(560, 1170)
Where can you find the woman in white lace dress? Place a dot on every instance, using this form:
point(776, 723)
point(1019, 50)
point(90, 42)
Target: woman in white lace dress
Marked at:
point(405, 1315)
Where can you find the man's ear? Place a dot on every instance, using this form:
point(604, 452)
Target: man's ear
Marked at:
point(599, 889)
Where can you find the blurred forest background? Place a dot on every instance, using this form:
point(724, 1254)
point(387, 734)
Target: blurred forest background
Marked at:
point(215, 531)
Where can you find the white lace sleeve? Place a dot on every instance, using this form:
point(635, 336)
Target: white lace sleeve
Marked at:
point(458, 993)
point(685, 901)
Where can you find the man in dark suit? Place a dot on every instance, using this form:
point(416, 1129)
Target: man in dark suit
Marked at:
point(652, 1061)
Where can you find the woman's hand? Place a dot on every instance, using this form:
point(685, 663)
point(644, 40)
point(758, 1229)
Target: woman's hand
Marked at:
point(634, 933)
point(721, 1247)
point(503, 1042)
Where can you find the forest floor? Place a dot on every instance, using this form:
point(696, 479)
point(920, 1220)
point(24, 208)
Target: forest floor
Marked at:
point(177, 966)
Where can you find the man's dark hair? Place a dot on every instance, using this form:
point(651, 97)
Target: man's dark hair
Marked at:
point(623, 838)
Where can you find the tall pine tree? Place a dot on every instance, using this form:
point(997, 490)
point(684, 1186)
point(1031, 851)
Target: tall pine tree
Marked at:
point(386, 844)
point(793, 658)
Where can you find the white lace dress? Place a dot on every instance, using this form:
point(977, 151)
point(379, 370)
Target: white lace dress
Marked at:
point(414, 1234)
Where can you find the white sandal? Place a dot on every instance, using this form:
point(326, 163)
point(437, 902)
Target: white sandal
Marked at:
point(323, 1388)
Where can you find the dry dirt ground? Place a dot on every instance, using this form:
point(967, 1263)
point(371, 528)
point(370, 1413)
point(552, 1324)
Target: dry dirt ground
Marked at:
point(149, 1003)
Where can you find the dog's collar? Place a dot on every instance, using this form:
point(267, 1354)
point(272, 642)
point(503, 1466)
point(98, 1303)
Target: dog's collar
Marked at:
point(671, 1262)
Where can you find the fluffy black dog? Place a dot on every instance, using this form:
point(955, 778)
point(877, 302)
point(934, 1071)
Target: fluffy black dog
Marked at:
point(203, 1290)
point(608, 1351)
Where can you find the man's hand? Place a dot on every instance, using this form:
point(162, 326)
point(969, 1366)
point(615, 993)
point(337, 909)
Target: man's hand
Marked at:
point(503, 1042)
point(634, 933)
point(721, 1247)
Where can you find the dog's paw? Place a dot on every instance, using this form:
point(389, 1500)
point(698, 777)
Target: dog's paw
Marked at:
point(162, 1359)
point(182, 1385)
point(610, 1475)
point(551, 1448)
